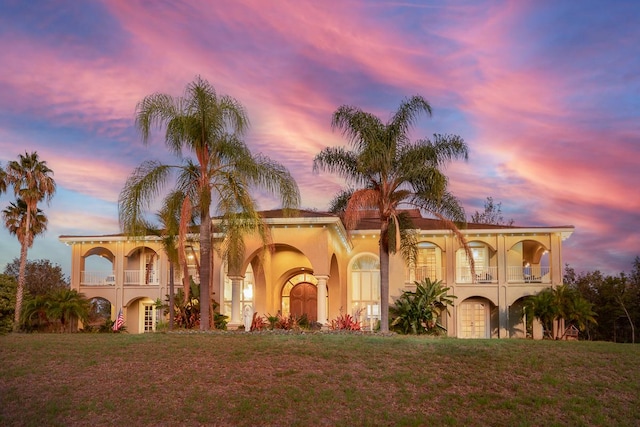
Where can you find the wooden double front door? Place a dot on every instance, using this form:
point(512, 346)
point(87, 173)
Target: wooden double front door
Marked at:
point(303, 299)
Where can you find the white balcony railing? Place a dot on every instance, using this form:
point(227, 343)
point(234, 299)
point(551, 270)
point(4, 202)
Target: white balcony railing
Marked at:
point(533, 274)
point(133, 277)
point(419, 273)
point(97, 278)
point(141, 278)
point(481, 274)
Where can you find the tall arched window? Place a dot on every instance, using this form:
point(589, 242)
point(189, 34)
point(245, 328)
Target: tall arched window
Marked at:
point(365, 290)
point(428, 264)
point(485, 270)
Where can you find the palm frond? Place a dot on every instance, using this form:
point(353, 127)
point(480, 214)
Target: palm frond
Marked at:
point(362, 201)
point(153, 111)
point(140, 189)
point(338, 161)
point(407, 115)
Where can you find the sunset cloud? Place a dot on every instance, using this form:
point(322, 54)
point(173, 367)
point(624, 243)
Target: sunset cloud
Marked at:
point(545, 94)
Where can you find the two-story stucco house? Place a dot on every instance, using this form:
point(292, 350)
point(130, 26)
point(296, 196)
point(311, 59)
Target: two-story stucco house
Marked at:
point(316, 268)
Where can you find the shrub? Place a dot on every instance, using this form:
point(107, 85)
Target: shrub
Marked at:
point(345, 322)
point(418, 312)
point(258, 323)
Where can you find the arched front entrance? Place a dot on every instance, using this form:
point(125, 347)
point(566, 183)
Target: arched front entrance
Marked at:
point(300, 296)
point(303, 299)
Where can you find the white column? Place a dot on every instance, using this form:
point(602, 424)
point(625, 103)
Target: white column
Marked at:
point(503, 313)
point(236, 288)
point(322, 299)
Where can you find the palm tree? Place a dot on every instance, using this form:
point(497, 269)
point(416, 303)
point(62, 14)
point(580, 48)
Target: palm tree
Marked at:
point(390, 172)
point(208, 125)
point(563, 297)
point(3, 181)
point(25, 224)
point(542, 306)
point(581, 312)
point(173, 237)
point(557, 305)
point(67, 305)
point(34, 315)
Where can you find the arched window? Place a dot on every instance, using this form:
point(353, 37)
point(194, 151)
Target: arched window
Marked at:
point(428, 264)
point(365, 290)
point(484, 271)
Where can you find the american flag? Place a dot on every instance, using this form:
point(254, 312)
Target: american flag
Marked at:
point(119, 321)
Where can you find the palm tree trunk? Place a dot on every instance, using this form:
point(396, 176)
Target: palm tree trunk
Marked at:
point(186, 282)
point(205, 268)
point(384, 290)
point(171, 294)
point(20, 290)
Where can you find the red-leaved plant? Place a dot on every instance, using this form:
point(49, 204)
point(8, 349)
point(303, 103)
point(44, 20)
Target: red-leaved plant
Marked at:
point(345, 322)
point(258, 323)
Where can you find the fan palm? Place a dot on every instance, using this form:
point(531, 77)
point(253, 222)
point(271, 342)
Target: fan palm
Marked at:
point(208, 125)
point(542, 306)
point(390, 172)
point(34, 315)
point(25, 224)
point(67, 305)
point(581, 312)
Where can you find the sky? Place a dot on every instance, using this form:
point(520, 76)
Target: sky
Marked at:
point(546, 94)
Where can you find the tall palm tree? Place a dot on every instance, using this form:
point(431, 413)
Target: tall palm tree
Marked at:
point(390, 172)
point(209, 126)
point(25, 224)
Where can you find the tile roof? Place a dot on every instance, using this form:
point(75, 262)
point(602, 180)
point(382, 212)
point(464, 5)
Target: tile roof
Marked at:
point(370, 221)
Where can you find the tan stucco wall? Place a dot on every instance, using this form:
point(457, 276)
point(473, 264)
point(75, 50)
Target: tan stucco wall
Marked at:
point(322, 250)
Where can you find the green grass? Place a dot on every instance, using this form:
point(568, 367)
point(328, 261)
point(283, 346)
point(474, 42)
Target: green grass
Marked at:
point(313, 379)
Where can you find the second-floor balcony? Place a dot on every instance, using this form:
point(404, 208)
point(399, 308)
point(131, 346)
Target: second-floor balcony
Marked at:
point(131, 278)
point(421, 272)
point(529, 274)
point(480, 274)
point(97, 278)
point(141, 277)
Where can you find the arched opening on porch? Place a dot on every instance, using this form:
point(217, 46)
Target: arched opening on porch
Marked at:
point(142, 267)
point(97, 267)
point(528, 262)
point(485, 263)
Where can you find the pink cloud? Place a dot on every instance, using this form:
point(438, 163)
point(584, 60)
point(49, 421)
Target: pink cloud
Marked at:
point(534, 147)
